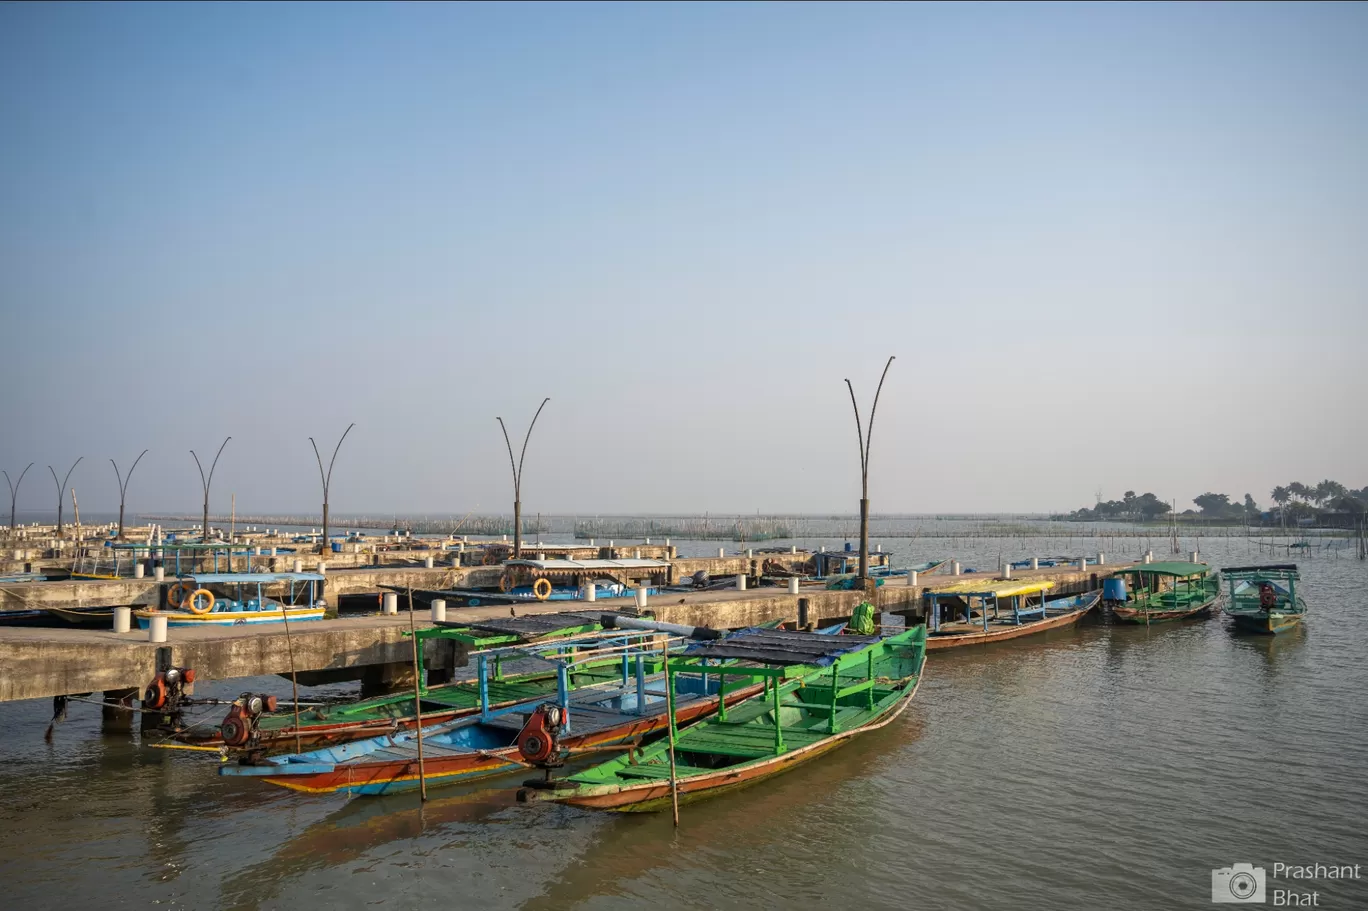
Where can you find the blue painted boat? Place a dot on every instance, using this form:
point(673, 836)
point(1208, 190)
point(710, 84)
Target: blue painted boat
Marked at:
point(193, 603)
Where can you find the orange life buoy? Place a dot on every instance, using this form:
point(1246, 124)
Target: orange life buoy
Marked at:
point(175, 594)
point(189, 602)
point(542, 588)
point(505, 583)
point(490, 558)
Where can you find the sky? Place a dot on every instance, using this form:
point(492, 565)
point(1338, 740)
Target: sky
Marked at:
point(1111, 247)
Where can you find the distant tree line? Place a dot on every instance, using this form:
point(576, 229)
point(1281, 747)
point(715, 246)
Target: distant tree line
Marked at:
point(1292, 501)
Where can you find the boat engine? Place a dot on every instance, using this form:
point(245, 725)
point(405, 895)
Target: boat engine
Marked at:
point(239, 726)
point(167, 690)
point(539, 740)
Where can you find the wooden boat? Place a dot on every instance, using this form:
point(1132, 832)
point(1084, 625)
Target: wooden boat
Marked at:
point(975, 613)
point(1162, 592)
point(1264, 599)
point(493, 742)
point(818, 694)
point(344, 723)
point(192, 603)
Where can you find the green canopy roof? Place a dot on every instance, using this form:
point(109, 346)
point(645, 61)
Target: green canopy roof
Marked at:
point(1171, 568)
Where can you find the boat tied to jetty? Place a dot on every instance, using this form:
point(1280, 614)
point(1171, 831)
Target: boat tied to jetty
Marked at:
point(977, 612)
point(228, 599)
point(817, 693)
point(1162, 592)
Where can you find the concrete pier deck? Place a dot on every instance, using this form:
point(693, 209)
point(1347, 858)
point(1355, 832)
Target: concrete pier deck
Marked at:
point(41, 663)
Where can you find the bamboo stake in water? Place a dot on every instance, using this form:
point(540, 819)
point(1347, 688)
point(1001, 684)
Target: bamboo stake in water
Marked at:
point(417, 701)
point(669, 721)
point(294, 679)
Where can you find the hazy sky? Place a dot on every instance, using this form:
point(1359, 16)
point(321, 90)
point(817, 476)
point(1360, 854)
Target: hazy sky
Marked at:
point(1111, 247)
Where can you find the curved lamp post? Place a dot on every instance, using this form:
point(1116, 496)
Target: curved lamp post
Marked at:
point(14, 491)
point(327, 480)
point(61, 486)
point(517, 477)
point(205, 482)
point(865, 438)
point(123, 488)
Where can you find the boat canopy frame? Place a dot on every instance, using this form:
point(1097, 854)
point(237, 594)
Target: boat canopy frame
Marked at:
point(991, 594)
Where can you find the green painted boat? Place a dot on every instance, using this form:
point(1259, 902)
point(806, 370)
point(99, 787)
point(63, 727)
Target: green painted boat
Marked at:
point(819, 693)
point(1163, 592)
point(1264, 599)
point(328, 725)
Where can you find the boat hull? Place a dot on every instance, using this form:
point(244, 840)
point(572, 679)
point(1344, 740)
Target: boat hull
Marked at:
point(379, 778)
point(1135, 615)
point(654, 796)
point(981, 637)
point(229, 618)
point(1264, 623)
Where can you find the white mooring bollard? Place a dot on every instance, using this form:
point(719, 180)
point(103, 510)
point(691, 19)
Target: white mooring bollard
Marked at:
point(912, 579)
point(636, 554)
point(1082, 564)
point(438, 610)
point(138, 570)
point(1194, 557)
point(1101, 559)
point(721, 553)
point(1035, 563)
point(1006, 570)
point(641, 597)
point(299, 566)
point(389, 603)
point(322, 568)
point(427, 562)
point(156, 628)
point(590, 592)
point(750, 553)
point(741, 582)
point(159, 573)
point(793, 585)
point(123, 619)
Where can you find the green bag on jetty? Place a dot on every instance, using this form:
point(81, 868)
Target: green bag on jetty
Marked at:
point(864, 622)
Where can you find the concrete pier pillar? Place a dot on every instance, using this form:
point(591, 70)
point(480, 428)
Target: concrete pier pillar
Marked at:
point(123, 619)
point(438, 610)
point(389, 603)
point(156, 628)
point(793, 585)
point(741, 582)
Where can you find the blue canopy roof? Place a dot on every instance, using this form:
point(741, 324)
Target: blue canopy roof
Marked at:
point(221, 578)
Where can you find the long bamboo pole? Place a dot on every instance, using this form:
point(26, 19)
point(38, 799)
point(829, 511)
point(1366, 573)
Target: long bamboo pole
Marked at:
point(294, 679)
point(417, 701)
point(669, 707)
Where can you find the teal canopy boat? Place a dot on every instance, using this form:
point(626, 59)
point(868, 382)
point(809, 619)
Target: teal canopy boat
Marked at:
point(1161, 592)
point(1264, 599)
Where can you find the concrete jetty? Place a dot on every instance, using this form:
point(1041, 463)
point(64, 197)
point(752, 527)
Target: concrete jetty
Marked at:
point(42, 663)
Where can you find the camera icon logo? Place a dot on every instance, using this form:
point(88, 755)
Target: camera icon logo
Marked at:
point(1238, 883)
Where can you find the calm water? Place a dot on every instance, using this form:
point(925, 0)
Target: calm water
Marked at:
point(1105, 767)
